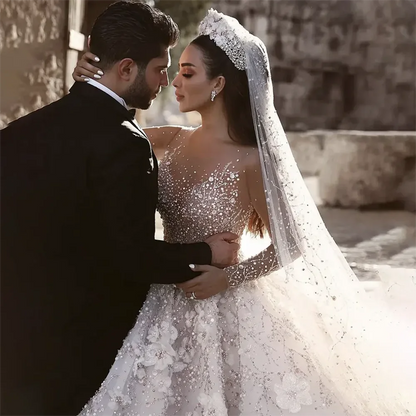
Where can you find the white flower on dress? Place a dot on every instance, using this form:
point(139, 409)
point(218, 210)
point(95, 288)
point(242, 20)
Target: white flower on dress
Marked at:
point(153, 334)
point(178, 366)
point(202, 338)
point(185, 351)
point(212, 405)
point(205, 328)
point(201, 325)
point(292, 393)
point(250, 308)
point(138, 351)
point(162, 383)
point(117, 400)
point(199, 308)
point(168, 332)
point(139, 372)
point(165, 333)
point(159, 355)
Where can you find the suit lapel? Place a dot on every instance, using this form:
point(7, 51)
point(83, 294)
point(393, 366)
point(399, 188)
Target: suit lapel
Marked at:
point(137, 125)
point(141, 131)
point(134, 127)
point(101, 98)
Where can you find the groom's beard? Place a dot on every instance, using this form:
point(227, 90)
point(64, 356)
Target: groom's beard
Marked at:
point(139, 94)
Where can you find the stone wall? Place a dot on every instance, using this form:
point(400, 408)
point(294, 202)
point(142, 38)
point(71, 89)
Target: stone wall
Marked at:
point(359, 169)
point(369, 169)
point(337, 64)
point(32, 55)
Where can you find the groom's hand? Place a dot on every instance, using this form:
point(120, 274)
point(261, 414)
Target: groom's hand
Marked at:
point(224, 249)
point(209, 283)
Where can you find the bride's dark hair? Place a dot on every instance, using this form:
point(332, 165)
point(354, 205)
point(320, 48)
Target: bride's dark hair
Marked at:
point(236, 101)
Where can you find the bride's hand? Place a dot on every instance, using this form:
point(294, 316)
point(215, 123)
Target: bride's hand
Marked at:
point(85, 69)
point(211, 282)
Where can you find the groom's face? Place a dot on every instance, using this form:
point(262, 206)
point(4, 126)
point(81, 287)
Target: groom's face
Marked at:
point(149, 82)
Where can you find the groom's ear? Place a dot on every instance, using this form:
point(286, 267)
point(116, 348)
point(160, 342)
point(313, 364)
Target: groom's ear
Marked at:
point(127, 69)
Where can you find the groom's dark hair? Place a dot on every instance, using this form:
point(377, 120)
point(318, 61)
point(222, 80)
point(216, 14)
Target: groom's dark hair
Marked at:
point(132, 29)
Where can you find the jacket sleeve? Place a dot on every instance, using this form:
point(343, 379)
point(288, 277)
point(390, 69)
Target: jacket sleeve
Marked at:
point(118, 180)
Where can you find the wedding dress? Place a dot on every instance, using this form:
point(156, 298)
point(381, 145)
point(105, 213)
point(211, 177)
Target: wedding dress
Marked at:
point(238, 353)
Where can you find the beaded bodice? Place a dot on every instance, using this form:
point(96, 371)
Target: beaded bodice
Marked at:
point(195, 205)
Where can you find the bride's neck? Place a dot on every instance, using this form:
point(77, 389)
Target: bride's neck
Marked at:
point(214, 124)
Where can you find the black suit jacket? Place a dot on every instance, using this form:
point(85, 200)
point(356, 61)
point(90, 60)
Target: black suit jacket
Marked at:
point(79, 192)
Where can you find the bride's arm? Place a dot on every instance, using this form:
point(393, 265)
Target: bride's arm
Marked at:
point(266, 261)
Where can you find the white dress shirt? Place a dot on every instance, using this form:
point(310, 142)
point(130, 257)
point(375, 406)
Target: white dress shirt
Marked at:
point(107, 90)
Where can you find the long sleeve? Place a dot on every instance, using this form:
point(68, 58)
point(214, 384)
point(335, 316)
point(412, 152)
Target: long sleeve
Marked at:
point(268, 260)
point(253, 268)
point(124, 190)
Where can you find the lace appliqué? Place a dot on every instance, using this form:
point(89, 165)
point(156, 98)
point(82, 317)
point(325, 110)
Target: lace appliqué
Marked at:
point(292, 393)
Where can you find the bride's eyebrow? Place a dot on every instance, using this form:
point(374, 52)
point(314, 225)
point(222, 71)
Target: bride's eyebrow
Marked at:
point(185, 64)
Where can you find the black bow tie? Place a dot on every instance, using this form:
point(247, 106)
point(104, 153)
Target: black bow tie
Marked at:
point(132, 112)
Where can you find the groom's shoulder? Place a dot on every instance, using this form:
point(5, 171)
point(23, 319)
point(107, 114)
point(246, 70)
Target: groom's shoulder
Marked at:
point(52, 113)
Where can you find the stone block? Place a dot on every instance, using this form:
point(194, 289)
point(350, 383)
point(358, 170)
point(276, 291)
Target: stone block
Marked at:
point(362, 169)
point(307, 149)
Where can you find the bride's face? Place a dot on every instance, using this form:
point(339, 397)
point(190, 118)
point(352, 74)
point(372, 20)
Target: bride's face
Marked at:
point(192, 86)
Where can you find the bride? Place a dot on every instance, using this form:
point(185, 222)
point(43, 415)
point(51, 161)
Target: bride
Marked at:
point(287, 331)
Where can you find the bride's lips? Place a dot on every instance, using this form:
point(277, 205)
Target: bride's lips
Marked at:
point(179, 97)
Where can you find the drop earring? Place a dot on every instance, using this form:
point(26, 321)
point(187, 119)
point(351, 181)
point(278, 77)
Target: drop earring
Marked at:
point(213, 95)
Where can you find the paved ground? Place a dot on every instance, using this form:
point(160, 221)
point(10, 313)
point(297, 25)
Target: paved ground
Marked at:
point(371, 240)
point(375, 243)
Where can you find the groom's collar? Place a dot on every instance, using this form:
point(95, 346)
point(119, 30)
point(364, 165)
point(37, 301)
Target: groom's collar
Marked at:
point(107, 90)
point(102, 98)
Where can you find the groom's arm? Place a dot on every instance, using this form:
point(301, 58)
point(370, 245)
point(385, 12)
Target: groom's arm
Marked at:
point(119, 183)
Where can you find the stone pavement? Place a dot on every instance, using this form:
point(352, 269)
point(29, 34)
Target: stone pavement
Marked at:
point(372, 240)
point(377, 244)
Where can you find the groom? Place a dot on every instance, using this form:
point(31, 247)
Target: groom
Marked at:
point(79, 190)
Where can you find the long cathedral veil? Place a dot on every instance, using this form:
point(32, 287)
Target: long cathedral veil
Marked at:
point(364, 349)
